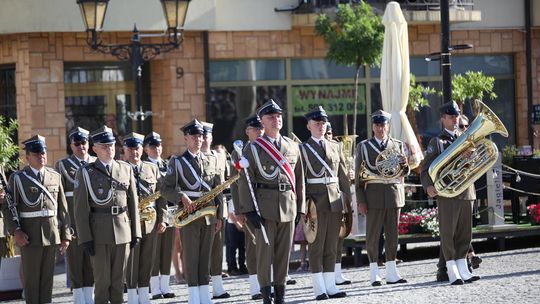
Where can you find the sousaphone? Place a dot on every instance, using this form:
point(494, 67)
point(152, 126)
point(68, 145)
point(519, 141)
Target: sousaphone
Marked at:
point(310, 223)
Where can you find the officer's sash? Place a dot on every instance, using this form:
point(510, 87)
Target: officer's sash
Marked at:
point(280, 160)
point(35, 182)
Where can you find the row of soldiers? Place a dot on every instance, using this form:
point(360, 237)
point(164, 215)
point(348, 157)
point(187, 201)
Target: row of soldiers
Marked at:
point(94, 202)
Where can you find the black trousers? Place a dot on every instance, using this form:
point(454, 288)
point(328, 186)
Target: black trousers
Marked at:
point(234, 240)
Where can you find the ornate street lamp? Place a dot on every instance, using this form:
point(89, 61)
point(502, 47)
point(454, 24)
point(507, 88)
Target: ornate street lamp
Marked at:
point(93, 14)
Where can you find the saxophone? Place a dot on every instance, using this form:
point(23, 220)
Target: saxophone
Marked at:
point(182, 218)
point(147, 212)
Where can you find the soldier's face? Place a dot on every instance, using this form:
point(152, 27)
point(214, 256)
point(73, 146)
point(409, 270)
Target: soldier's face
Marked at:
point(380, 130)
point(133, 154)
point(80, 148)
point(153, 151)
point(36, 160)
point(317, 128)
point(194, 142)
point(253, 133)
point(272, 121)
point(207, 141)
point(449, 122)
point(104, 152)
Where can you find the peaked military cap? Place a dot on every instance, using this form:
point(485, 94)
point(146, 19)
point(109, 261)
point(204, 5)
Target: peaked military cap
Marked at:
point(103, 135)
point(78, 134)
point(133, 140)
point(380, 117)
point(254, 121)
point(193, 127)
point(317, 114)
point(207, 127)
point(35, 144)
point(450, 108)
point(328, 126)
point(270, 107)
point(152, 139)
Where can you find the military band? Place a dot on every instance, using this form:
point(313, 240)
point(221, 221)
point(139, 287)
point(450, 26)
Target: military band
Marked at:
point(79, 265)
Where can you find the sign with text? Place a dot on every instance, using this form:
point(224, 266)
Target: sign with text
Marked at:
point(335, 99)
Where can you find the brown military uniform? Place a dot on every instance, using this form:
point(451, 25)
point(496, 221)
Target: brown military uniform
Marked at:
point(278, 207)
point(455, 214)
point(139, 266)
point(197, 236)
point(330, 191)
point(79, 265)
point(107, 214)
point(384, 200)
point(45, 221)
point(216, 260)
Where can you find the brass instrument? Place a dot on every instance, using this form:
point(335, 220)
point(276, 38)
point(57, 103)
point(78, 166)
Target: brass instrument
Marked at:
point(182, 218)
point(453, 171)
point(388, 165)
point(310, 223)
point(348, 142)
point(146, 212)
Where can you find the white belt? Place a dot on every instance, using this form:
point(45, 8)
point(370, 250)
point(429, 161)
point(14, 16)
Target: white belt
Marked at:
point(152, 204)
point(41, 213)
point(322, 180)
point(384, 181)
point(193, 193)
point(68, 193)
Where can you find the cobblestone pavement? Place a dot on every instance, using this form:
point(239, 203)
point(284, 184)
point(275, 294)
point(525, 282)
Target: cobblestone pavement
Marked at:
point(507, 277)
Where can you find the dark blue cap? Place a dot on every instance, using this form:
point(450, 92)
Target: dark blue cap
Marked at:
point(152, 139)
point(328, 126)
point(78, 135)
point(133, 140)
point(254, 121)
point(450, 108)
point(270, 107)
point(193, 127)
point(380, 117)
point(103, 135)
point(207, 127)
point(35, 144)
point(317, 114)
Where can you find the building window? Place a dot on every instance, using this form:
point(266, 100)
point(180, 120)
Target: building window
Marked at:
point(8, 93)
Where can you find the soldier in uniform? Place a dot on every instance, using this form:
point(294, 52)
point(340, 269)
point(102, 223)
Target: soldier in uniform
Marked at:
point(189, 176)
point(43, 220)
point(107, 216)
point(276, 174)
point(254, 129)
point(328, 187)
point(3, 232)
point(216, 258)
point(455, 214)
point(141, 257)
point(159, 282)
point(380, 199)
point(79, 265)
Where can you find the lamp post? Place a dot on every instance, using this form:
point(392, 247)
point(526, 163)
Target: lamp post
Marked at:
point(93, 14)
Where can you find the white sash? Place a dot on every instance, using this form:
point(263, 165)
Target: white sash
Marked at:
point(39, 185)
point(319, 158)
point(194, 173)
point(96, 200)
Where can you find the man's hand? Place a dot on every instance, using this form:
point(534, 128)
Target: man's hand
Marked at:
point(88, 247)
point(255, 219)
point(64, 244)
point(188, 204)
point(469, 152)
point(219, 224)
point(161, 227)
point(431, 192)
point(362, 209)
point(21, 238)
point(134, 242)
point(2, 194)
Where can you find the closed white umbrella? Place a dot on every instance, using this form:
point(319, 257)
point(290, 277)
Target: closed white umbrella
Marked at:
point(395, 80)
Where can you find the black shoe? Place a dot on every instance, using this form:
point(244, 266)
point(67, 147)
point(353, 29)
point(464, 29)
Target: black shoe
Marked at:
point(280, 294)
point(475, 262)
point(472, 279)
point(235, 272)
point(442, 275)
point(257, 296)
point(346, 282)
point(376, 283)
point(265, 294)
point(321, 297)
point(168, 295)
point(158, 296)
point(457, 282)
point(225, 295)
point(341, 294)
point(291, 282)
point(400, 281)
point(243, 270)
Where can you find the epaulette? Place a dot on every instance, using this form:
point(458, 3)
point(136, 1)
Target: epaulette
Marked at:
point(150, 163)
point(123, 163)
point(51, 170)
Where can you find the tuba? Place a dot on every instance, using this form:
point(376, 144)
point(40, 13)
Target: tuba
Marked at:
point(452, 172)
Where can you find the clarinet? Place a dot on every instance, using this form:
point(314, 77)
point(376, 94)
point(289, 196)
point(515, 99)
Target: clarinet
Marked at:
point(10, 203)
